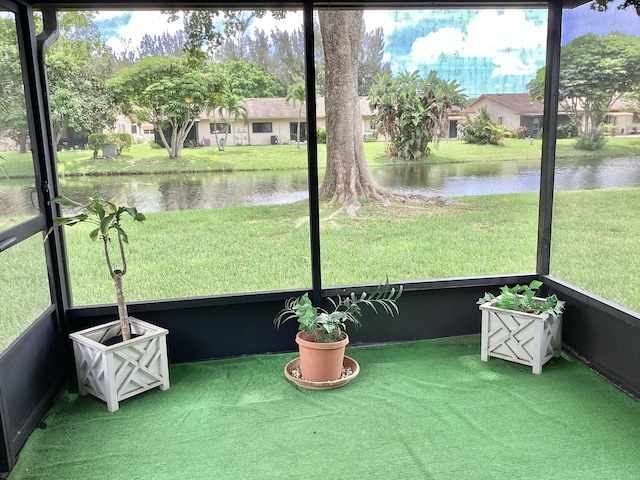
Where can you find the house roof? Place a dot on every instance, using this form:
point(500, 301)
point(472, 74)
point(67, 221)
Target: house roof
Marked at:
point(520, 103)
point(278, 108)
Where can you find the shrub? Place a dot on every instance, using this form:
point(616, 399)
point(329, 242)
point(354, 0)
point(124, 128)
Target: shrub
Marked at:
point(520, 132)
point(567, 130)
point(322, 135)
point(591, 141)
point(123, 141)
point(153, 144)
point(96, 141)
point(481, 129)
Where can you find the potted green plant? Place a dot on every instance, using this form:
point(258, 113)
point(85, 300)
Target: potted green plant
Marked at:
point(520, 327)
point(322, 336)
point(128, 356)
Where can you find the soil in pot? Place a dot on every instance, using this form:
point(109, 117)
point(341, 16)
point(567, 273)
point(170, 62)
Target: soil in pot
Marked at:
point(118, 339)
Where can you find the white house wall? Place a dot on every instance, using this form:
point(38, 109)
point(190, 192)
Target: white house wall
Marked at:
point(510, 120)
point(240, 136)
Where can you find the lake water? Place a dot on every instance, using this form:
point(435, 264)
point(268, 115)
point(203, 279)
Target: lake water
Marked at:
point(216, 190)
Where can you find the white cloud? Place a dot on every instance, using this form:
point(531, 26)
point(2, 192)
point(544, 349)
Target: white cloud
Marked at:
point(493, 30)
point(445, 41)
point(292, 22)
point(511, 65)
point(379, 18)
point(109, 14)
point(505, 36)
point(141, 23)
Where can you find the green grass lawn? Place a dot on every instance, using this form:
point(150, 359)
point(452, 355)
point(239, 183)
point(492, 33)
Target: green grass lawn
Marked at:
point(246, 249)
point(141, 158)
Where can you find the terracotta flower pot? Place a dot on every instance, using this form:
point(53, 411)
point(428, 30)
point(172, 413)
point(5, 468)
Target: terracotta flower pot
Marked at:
point(321, 362)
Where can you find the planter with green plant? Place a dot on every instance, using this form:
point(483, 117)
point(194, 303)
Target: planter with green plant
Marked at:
point(520, 327)
point(322, 338)
point(119, 359)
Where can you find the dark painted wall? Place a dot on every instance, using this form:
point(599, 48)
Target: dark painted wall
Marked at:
point(202, 329)
point(33, 370)
point(604, 335)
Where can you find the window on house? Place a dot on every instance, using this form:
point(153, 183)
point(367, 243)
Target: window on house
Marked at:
point(262, 127)
point(148, 131)
point(293, 131)
point(219, 128)
point(500, 120)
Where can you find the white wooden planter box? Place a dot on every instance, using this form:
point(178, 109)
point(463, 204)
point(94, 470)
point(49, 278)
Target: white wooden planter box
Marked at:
point(113, 373)
point(520, 337)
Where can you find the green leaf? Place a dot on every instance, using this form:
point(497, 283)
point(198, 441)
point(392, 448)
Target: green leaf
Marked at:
point(93, 235)
point(106, 224)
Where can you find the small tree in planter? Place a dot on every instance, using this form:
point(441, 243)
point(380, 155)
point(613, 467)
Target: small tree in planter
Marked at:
point(107, 217)
point(111, 363)
point(520, 327)
point(322, 337)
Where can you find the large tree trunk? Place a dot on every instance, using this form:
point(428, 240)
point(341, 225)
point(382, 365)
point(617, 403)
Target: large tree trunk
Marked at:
point(24, 133)
point(347, 176)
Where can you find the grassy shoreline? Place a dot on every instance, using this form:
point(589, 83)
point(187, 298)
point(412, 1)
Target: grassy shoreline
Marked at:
point(142, 159)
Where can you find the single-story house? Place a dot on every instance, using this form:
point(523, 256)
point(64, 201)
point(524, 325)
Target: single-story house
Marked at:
point(140, 130)
point(512, 110)
point(621, 115)
point(270, 121)
point(515, 110)
point(273, 121)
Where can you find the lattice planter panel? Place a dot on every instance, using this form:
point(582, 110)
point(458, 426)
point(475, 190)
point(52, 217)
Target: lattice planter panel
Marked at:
point(113, 373)
point(523, 338)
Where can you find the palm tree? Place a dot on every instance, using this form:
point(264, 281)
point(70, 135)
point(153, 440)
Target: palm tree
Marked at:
point(232, 107)
point(297, 93)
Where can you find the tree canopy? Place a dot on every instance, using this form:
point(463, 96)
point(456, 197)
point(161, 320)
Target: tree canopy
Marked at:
point(170, 94)
point(603, 5)
point(595, 71)
point(249, 80)
point(13, 121)
point(78, 66)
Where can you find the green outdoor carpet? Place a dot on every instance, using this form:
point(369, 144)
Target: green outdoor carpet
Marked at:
point(420, 410)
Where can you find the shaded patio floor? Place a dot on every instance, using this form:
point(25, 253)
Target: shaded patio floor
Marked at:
point(419, 410)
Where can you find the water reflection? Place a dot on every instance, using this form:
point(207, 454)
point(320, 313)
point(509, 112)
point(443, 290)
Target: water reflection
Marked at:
point(216, 190)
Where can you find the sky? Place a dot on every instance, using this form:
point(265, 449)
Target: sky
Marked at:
point(486, 51)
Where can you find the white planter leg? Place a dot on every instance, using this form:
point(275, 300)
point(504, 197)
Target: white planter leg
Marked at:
point(538, 348)
point(484, 343)
point(165, 366)
point(110, 387)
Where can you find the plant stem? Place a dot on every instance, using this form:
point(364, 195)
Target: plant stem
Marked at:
point(122, 306)
point(123, 315)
